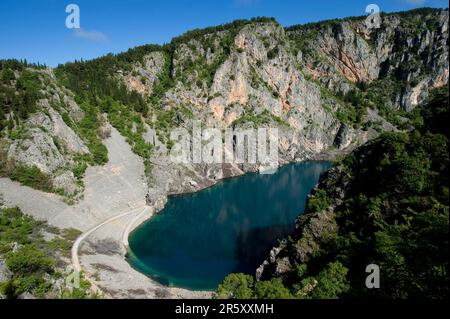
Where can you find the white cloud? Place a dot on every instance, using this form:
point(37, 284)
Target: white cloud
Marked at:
point(90, 35)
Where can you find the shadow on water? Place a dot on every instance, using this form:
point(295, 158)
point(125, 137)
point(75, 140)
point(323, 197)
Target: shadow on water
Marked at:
point(253, 246)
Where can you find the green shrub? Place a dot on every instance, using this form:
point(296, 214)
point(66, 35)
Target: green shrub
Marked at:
point(32, 177)
point(272, 54)
point(79, 170)
point(319, 201)
point(236, 286)
point(273, 289)
point(34, 264)
point(28, 260)
point(331, 282)
point(70, 234)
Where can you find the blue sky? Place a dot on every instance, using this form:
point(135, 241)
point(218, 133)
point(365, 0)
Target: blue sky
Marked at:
point(35, 29)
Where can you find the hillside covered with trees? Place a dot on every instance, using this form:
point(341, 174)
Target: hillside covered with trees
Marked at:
point(387, 204)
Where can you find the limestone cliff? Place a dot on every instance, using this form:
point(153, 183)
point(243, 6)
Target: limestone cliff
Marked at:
point(410, 48)
point(45, 136)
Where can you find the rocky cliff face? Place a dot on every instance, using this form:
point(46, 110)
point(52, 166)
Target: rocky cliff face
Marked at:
point(46, 138)
point(410, 48)
point(247, 73)
point(254, 73)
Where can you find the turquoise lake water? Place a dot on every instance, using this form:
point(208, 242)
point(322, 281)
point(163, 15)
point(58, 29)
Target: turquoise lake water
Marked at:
point(198, 239)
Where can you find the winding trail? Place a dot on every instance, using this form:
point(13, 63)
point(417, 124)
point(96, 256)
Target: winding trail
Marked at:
point(76, 246)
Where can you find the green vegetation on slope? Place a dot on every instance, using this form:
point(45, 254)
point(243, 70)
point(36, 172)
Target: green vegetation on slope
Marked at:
point(36, 263)
point(99, 91)
point(89, 130)
point(130, 124)
point(395, 213)
point(28, 176)
point(95, 79)
point(258, 120)
point(18, 92)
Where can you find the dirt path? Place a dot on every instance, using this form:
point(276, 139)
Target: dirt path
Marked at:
point(76, 246)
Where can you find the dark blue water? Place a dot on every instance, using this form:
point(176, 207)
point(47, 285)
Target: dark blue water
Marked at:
point(198, 239)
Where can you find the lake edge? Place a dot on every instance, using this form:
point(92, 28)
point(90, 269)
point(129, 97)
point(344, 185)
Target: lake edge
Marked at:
point(132, 258)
